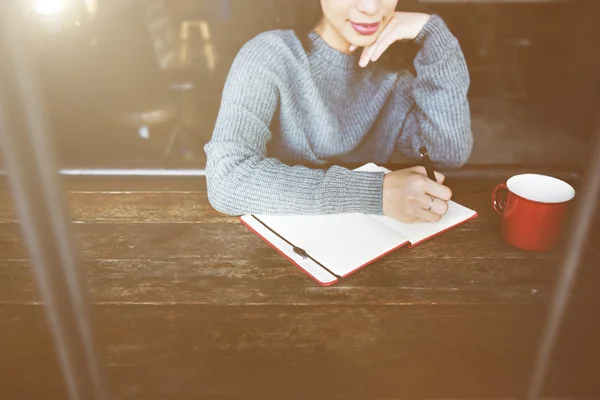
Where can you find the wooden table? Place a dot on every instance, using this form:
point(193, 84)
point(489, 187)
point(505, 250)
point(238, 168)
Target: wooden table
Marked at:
point(189, 304)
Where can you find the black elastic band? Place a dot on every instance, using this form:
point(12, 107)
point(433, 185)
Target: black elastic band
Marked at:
point(301, 252)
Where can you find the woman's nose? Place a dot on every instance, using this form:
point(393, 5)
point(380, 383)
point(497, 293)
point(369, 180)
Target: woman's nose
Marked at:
point(369, 7)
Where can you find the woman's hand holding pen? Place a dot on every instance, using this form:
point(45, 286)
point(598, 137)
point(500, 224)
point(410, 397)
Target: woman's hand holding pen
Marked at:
point(409, 196)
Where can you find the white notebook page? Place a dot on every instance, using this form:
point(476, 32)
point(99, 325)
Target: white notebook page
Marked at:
point(418, 232)
point(341, 242)
point(308, 265)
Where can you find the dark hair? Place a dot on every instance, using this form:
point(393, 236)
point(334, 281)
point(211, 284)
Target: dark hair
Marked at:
point(303, 16)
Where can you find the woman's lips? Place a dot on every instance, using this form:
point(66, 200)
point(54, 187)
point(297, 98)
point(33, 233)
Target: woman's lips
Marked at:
point(365, 29)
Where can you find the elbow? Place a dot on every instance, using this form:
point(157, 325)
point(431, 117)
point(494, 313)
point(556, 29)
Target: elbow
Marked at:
point(222, 197)
point(462, 155)
point(220, 203)
point(459, 162)
point(462, 147)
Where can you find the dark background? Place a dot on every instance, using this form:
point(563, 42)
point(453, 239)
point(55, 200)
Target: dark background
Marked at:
point(533, 69)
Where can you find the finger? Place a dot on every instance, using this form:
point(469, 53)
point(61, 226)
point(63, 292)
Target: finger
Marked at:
point(428, 216)
point(382, 47)
point(438, 190)
point(370, 50)
point(385, 39)
point(364, 57)
point(438, 206)
point(352, 48)
point(438, 175)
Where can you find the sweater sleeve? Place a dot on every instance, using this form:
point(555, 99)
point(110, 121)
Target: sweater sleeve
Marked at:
point(440, 114)
point(241, 178)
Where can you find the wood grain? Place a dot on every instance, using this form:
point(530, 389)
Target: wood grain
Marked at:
point(229, 240)
point(333, 352)
point(189, 304)
point(389, 281)
point(457, 281)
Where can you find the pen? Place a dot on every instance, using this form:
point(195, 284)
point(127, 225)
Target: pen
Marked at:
point(427, 163)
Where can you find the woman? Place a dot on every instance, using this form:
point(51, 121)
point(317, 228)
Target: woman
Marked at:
point(297, 104)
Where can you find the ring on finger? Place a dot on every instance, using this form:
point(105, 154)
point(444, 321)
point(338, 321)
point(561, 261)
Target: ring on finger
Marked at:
point(430, 204)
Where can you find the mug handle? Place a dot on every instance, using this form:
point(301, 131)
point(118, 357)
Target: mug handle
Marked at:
point(496, 202)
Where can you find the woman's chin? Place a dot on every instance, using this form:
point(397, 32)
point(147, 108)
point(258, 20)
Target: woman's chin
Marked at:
point(362, 41)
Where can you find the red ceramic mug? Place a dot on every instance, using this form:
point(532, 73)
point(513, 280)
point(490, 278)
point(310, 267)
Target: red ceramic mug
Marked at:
point(533, 210)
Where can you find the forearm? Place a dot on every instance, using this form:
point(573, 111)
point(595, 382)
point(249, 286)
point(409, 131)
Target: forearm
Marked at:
point(441, 109)
point(241, 182)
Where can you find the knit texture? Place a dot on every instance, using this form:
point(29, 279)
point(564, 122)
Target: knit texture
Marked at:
point(288, 120)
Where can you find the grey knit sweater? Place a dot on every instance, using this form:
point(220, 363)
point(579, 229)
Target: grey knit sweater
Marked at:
point(285, 113)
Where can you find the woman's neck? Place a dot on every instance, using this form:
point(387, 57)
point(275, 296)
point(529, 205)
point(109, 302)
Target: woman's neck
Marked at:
point(332, 37)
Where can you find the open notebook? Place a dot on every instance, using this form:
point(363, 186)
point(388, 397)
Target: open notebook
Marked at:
point(331, 247)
